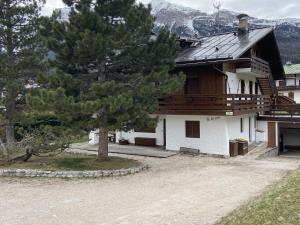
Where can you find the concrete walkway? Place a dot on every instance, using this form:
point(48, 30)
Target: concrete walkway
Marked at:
point(127, 150)
point(179, 190)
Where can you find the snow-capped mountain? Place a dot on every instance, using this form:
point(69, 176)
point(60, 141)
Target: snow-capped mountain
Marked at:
point(188, 22)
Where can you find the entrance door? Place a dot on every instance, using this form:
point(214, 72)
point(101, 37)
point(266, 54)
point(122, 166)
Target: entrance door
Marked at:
point(271, 134)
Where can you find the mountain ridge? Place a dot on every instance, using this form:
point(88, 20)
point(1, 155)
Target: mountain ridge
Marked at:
point(188, 22)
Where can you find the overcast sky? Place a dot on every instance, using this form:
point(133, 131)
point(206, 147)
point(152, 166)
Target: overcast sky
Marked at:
point(271, 9)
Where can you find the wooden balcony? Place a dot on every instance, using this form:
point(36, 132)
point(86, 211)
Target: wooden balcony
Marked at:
point(288, 88)
point(253, 66)
point(224, 105)
point(285, 110)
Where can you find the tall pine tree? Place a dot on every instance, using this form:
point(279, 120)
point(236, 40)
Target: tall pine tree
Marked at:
point(108, 49)
point(19, 58)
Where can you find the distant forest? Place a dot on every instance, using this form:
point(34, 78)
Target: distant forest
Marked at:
point(289, 43)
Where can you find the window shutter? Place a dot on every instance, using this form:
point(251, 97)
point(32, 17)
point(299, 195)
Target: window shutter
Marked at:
point(192, 129)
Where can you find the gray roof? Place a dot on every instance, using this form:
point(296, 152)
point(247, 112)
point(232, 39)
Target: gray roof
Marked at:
point(222, 47)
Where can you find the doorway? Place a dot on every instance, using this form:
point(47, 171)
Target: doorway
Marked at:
point(271, 134)
point(289, 142)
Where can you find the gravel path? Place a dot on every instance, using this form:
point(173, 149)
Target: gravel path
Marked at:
point(179, 190)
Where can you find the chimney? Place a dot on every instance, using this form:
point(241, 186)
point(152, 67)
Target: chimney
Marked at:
point(243, 24)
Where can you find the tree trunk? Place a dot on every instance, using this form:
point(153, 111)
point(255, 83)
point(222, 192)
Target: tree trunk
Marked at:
point(10, 134)
point(103, 144)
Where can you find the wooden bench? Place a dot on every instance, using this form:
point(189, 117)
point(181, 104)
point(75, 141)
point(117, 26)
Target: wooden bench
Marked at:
point(145, 141)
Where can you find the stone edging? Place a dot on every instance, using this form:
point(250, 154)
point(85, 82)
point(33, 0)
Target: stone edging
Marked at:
point(70, 174)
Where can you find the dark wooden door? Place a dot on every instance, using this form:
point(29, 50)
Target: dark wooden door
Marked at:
point(271, 134)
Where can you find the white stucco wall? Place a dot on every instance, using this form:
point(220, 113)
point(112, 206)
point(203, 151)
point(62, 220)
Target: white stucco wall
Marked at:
point(262, 126)
point(234, 127)
point(213, 134)
point(291, 82)
point(131, 135)
point(234, 85)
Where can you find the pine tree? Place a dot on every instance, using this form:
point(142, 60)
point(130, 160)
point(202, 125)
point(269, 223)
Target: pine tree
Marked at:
point(108, 49)
point(19, 58)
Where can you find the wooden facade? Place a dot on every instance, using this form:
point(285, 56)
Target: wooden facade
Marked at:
point(256, 66)
point(205, 93)
point(204, 81)
point(207, 66)
point(226, 104)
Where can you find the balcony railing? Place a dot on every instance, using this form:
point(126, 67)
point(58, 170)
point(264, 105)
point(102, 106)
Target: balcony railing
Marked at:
point(255, 66)
point(285, 110)
point(229, 104)
point(288, 88)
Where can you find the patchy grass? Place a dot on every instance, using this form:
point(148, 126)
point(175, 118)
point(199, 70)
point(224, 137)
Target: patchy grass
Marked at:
point(80, 139)
point(79, 136)
point(280, 206)
point(75, 162)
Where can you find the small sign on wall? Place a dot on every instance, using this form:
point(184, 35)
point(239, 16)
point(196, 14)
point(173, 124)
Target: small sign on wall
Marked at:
point(212, 118)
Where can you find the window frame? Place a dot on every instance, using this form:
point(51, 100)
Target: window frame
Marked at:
point(192, 129)
point(243, 87)
point(241, 125)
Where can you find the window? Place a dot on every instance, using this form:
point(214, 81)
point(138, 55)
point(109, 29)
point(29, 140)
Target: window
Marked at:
point(242, 87)
point(282, 83)
point(242, 124)
point(250, 87)
point(192, 129)
point(256, 88)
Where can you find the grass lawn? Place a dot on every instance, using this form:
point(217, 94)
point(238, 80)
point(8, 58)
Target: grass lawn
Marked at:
point(77, 162)
point(280, 206)
point(82, 137)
